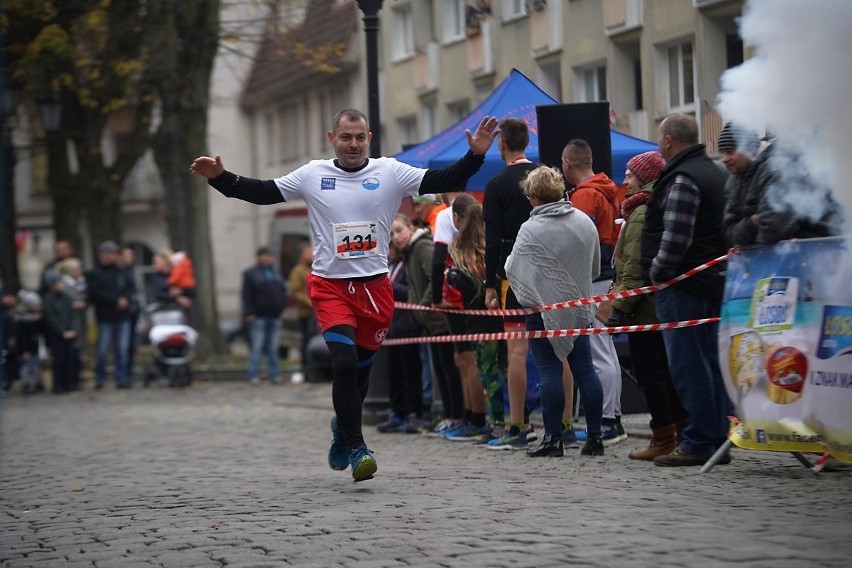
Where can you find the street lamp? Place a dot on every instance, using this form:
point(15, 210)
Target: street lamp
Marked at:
point(371, 29)
point(376, 401)
point(9, 259)
point(9, 255)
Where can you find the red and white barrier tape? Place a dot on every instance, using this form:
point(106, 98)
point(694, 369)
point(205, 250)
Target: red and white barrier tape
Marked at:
point(547, 333)
point(571, 303)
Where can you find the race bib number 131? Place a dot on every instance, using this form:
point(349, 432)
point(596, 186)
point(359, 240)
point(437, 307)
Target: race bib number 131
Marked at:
point(355, 240)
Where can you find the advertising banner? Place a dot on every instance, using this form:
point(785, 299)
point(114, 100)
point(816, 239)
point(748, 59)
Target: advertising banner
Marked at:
point(785, 346)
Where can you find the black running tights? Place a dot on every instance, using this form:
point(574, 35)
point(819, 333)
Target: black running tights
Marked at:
point(350, 366)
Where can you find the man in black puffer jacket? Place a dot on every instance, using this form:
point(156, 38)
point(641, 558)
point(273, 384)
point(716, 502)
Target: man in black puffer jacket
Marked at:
point(264, 298)
point(110, 292)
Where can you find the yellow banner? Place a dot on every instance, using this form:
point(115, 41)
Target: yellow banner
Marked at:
point(785, 346)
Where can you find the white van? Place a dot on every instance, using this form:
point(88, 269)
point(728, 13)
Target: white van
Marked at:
point(288, 230)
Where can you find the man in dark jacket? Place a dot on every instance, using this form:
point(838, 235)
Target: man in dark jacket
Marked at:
point(765, 191)
point(110, 292)
point(745, 190)
point(264, 298)
point(683, 229)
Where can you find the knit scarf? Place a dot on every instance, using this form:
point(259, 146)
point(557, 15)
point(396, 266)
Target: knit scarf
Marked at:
point(632, 202)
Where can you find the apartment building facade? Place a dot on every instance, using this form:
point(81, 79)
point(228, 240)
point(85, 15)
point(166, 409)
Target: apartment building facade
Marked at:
point(648, 58)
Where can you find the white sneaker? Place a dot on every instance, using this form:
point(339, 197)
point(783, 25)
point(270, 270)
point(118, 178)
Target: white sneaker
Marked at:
point(439, 428)
point(297, 377)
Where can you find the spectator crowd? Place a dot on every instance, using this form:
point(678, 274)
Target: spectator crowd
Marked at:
point(541, 235)
point(77, 311)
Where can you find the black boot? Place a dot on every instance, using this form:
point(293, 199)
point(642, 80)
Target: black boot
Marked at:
point(551, 445)
point(594, 445)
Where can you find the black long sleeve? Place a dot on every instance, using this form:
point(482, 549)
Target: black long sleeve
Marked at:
point(257, 191)
point(439, 257)
point(454, 177)
point(504, 210)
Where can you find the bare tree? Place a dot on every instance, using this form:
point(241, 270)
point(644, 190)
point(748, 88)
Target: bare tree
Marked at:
point(186, 36)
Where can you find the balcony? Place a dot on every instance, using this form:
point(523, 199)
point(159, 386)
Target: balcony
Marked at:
point(480, 52)
point(621, 16)
point(545, 21)
point(426, 70)
point(700, 4)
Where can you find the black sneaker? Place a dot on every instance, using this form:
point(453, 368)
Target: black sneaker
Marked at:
point(593, 446)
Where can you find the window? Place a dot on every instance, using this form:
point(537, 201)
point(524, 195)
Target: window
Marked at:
point(457, 111)
point(514, 9)
point(269, 133)
point(591, 84)
point(407, 129)
point(403, 32)
point(430, 120)
point(549, 79)
point(734, 49)
point(637, 81)
point(453, 20)
point(290, 123)
point(681, 79)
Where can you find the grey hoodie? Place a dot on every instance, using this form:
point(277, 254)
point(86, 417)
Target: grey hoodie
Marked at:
point(555, 258)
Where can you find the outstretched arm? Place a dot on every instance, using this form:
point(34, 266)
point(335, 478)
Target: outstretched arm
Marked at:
point(454, 177)
point(259, 192)
point(207, 166)
point(481, 140)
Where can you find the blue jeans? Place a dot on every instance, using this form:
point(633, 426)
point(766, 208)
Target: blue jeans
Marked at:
point(263, 335)
point(426, 377)
point(115, 334)
point(550, 374)
point(693, 357)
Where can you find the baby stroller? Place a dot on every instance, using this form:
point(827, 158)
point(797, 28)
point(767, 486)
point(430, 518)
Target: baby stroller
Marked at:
point(172, 346)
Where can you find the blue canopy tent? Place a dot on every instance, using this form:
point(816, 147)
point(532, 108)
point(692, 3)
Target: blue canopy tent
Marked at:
point(516, 96)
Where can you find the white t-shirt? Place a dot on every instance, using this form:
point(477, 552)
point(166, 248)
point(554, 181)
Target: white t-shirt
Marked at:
point(445, 230)
point(351, 212)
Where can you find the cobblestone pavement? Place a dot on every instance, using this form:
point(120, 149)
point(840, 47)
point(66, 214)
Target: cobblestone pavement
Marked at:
point(223, 474)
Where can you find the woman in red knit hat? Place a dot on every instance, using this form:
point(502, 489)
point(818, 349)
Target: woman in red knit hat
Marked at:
point(647, 350)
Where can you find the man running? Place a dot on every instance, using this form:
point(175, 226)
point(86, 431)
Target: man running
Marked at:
point(351, 203)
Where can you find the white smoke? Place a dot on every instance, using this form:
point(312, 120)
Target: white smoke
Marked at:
point(799, 87)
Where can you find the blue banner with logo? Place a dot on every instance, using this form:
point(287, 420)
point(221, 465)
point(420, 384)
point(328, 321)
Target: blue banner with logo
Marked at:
point(785, 346)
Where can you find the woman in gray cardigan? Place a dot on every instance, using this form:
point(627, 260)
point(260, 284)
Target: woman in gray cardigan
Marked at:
point(555, 257)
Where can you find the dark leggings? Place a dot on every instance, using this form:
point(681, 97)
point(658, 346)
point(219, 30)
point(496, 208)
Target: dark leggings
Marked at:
point(404, 383)
point(449, 380)
point(648, 354)
point(350, 366)
point(66, 364)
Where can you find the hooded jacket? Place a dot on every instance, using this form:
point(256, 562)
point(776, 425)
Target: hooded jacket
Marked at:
point(555, 259)
point(418, 267)
point(597, 197)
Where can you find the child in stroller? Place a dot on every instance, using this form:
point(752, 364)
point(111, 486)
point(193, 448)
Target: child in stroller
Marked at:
point(172, 340)
point(172, 346)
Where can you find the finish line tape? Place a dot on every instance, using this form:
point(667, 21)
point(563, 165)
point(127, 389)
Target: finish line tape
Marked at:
point(547, 333)
point(570, 303)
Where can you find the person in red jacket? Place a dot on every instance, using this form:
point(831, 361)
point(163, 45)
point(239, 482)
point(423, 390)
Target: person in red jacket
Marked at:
point(595, 195)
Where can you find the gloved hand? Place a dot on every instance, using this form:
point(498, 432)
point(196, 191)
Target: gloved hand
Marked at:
point(617, 317)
